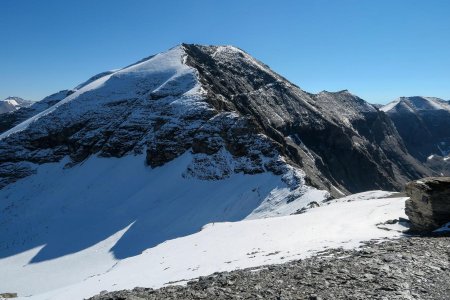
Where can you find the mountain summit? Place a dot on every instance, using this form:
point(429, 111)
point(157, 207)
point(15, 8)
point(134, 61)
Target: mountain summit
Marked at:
point(11, 104)
point(210, 99)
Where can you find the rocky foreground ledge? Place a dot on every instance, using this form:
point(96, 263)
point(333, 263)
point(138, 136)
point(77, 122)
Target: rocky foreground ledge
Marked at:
point(407, 268)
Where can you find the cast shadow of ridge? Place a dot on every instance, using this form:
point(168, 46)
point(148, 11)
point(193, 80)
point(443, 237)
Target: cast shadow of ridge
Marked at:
point(75, 212)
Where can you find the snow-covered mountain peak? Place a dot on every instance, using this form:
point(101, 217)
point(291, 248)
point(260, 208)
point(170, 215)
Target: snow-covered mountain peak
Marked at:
point(11, 104)
point(156, 108)
point(11, 101)
point(145, 154)
point(416, 103)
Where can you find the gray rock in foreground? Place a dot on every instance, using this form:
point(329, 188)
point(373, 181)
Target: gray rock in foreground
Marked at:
point(408, 268)
point(429, 205)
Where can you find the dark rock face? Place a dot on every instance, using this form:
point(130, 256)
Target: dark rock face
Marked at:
point(429, 205)
point(410, 268)
point(338, 138)
point(424, 125)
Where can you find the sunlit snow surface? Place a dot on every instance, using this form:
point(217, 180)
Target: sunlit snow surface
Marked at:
point(163, 72)
point(110, 224)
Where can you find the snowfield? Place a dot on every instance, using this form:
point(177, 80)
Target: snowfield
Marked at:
point(111, 224)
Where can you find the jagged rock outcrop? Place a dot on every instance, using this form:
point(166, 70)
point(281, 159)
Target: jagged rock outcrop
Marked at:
point(429, 205)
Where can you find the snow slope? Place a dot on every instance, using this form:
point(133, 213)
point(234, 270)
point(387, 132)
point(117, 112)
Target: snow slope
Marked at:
point(72, 223)
point(153, 74)
point(218, 247)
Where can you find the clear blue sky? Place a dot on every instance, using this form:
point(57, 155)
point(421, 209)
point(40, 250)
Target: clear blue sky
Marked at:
point(378, 50)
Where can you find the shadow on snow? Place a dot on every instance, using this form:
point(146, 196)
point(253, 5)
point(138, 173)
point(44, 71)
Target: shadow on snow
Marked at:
point(69, 210)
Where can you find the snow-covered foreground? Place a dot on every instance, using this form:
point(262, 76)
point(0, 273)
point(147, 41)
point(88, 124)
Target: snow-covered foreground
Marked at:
point(83, 272)
point(63, 225)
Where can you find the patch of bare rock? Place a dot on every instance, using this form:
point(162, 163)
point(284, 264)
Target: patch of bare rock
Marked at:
point(428, 207)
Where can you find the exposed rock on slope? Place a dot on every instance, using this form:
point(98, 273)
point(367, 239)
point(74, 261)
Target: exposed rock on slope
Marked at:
point(338, 138)
point(429, 205)
point(424, 125)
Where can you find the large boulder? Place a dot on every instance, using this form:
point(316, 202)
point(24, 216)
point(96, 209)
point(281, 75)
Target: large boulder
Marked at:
point(428, 207)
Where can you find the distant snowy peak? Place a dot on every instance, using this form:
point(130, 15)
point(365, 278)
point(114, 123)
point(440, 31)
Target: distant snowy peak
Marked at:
point(416, 103)
point(8, 105)
point(19, 101)
point(12, 104)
